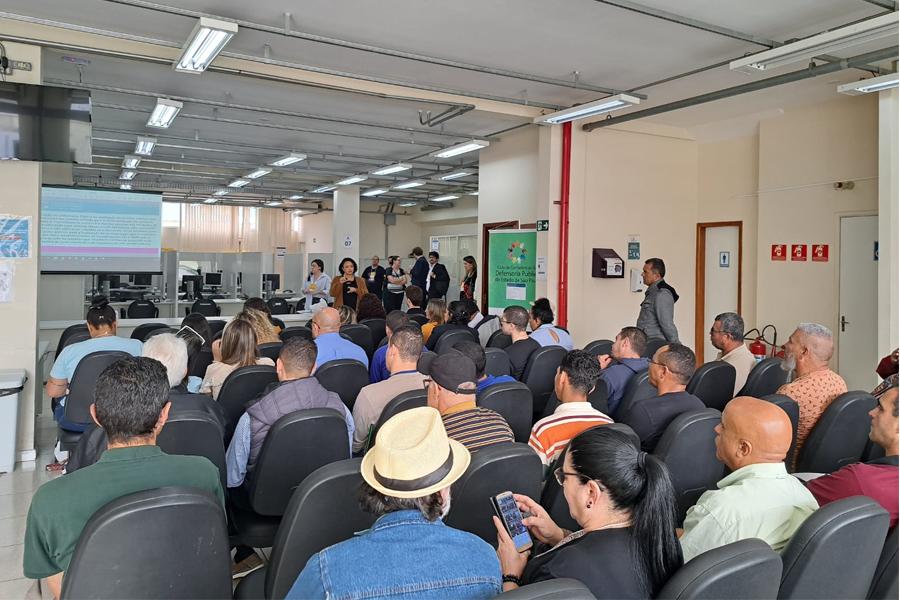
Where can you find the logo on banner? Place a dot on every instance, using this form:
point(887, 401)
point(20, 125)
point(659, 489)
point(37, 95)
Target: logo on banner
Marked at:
point(779, 251)
point(820, 252)
point(798, 252)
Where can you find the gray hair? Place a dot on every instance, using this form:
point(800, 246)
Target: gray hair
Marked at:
point(172, 352)
point(732, 325)
point(822, 343)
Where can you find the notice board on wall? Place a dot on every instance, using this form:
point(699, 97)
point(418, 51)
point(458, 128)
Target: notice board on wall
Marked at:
point(511, 268)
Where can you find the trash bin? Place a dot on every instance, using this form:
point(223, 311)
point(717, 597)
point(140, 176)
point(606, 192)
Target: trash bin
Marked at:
point(11, 383)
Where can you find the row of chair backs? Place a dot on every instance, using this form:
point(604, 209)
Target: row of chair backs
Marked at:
point(377, 327)
point(713, 383)
point(240, 387)
point(599, 347)
point(498, 339)
point(512, 401)
point(420, 319)
point(84, 383)
point(142, 309)
point(206, 307)
point(145, 330)
point(270, 350)
point(72, 335)
point(359, 335)
point(840, 436)
point(637, 388)
point(449, 338)
point(279, 306)
point(540, 373)
point(496, 362)
point(345, 377)
point(216, 326)
point(291, 332)
point(764, 379)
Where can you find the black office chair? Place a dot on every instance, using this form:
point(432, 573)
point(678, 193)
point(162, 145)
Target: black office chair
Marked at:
point(494, 469)
point(793, 412)
point(142, 309)
point(142, 331)
point(835, 552)
point(79, 329)
point(323, 511)
point(377, 327)
point(216, 326)
point(552, 589)
point(240, 387)
point(291, 332)
point(423, 365)
point(688, 449)
point(884, 582)
point(195, 433)
point(401, 402)
point(345, 377)
point(513, 402)
point(764, 379)
point(839, 438)
point(205, 307)
point(599, 347)
point(199, 362)
point(169, 542)
point(279, 306)
point(420, 319)
point(637, 388)
point(540, 373)
point(449, 338)
point(81, 393)
point(745, 569)
point(496, 362)
point(653, 344)
point(498, 339)
point(713, 383)
point(296, 445)
point(270, 350)
point(361, 336)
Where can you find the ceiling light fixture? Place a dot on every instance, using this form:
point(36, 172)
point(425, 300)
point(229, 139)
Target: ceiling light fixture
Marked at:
point(352, 180)
point(375, 192)
point(458, 149)
point(296, 197)
point(204, 44)
point(164, 113)
point(220, 192)
point(262, 171)
point(390, 170)
point(445, 197)
point(130, 161)
point(125, 186)
point(293, 157)
point(127, 174)
point(583, 111)
point(455, 175)
point(475, 193)
point(408, 204)
point(863, 32)
point(868, 86)
point(239, 183)
point(144, 145)
point(274, 203)
point(210, 201)
point(409, 184)
point(323, 189)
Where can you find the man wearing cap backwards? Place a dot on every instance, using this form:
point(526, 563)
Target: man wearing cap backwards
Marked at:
point(451, 390)
point(408, 552)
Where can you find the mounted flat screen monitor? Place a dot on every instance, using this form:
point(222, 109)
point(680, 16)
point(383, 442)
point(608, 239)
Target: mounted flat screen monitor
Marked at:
point(86, 230)
point(212, 279)
point(43, 123)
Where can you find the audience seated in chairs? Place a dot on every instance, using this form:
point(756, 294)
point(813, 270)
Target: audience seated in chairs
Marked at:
point(101, 325)
point(670, 371)
point(347, 314)
point(475, 353)
point(266, 332)
point(877, 478)
point(131, 405)
point(758, 499)
point(451, 390)
point(326, 326)
point(575, 378)
point(296, 390)
point(458, 316)
point(408, 550)
point(378, 369)
point(624, 503)
point(236, 349)
point(370, 307)
point(402, 353)
point(414, 299)
point(514, 323)
point(436, 311)
point(542, 329)
point(483, 325)
point(807, 353)
point(260, 305)
point(622, 363)
point(727, 335)
point(197, 334)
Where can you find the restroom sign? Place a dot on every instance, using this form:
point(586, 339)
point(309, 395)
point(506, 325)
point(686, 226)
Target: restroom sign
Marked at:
point(779, 251)
point(798, 252)
point(820, 252)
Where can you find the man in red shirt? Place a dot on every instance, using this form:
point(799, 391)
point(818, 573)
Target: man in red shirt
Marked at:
point(876, 479)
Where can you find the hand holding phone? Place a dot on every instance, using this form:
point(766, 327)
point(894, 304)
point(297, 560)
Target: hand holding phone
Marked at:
point(508, 511)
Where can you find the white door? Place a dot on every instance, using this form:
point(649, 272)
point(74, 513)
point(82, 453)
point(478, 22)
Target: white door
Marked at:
point(857, 355)
point(720, 279)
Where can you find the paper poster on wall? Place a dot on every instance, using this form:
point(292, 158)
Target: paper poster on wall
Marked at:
point(634, 247)
point(541, 268)
point(7, 276)
point(435, 245)
point(15, 237)
point(511, 268)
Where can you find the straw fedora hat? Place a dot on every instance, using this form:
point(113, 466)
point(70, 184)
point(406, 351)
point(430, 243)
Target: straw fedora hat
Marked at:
point(413, 457)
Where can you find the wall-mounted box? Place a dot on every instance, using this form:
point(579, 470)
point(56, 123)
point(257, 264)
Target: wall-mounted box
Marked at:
point(606, 262)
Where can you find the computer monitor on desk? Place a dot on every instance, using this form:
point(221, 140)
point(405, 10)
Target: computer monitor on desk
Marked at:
point(270, 282)
point(142, 279)
point(212, 280)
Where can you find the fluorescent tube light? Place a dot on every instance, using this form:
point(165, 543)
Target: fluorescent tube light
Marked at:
point(238, 183)
point(352, 180)
point(455, 175)
point(258, 173)
point(408, 204)
point(210, 201)
point(323, 189)
point(445, 197)
point(868, 86)
point(144, 145)
point(131, 161)
point(409, 184)
point(296, 197)
point(293, 157)
point(274, 203)
point(863, 32)
point(127, 174)
point(204, 44)
point(390, 170)
point(125, 186)
point(375, 192)
point(164, 113)
point(583, 111)
point(475, 193)
point(458, 149)
point(220, 192)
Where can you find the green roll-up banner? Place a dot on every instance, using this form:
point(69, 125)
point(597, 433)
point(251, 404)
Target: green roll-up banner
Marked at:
point(511, 269)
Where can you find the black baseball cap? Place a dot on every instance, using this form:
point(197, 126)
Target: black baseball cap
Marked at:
point(452, 369)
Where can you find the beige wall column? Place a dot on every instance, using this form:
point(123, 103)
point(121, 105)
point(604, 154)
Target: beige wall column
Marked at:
point(888, 235)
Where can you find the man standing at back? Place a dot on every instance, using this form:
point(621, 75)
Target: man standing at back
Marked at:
point(622, 363)
point(326, 327)
point(374, 277)
point(727, 335)
point(438, 278)
point(657, 316)
point(131, 404)
point(418, 275)
point(514, 323)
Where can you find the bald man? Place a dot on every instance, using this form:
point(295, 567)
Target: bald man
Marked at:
point(326, 326)
point(815, 386)
point(758, 499)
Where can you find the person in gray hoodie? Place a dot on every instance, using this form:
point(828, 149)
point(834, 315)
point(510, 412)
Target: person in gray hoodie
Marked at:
point(657, 316)
point(622, 363)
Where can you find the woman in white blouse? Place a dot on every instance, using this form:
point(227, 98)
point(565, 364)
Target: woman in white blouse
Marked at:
point(317, 284)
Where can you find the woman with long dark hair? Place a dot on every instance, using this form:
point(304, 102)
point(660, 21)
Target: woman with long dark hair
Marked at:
point(348, 288)
point(458, 315)
point(625, 504)
point(467, 285)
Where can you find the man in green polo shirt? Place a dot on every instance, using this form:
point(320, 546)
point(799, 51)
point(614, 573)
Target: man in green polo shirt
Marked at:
point(131, 404)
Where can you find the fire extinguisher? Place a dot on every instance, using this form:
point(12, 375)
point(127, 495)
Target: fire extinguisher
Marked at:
point(758, 349)
point(760, 344)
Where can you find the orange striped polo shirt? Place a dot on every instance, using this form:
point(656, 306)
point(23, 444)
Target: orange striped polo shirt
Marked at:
point(552, 434)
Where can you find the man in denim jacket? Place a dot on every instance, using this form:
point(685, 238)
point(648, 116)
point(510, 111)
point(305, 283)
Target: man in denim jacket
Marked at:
point(408, 552)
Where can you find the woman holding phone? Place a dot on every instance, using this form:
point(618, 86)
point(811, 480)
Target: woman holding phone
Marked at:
point(317, 285)
point(625, 504)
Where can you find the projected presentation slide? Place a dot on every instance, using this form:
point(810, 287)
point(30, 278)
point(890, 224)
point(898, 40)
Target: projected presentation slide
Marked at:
point(96, 231)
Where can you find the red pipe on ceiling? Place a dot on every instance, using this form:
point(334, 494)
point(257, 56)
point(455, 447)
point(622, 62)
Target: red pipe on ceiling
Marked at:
point(563, 296)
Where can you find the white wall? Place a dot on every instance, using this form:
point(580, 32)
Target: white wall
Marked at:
point(888, 235)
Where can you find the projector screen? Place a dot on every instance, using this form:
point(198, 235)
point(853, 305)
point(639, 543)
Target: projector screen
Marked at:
point(99, 231)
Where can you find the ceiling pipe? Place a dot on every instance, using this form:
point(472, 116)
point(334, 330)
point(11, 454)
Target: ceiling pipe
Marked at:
point(813, 71)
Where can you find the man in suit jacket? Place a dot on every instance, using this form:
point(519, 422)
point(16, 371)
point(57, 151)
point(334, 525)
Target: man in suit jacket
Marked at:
point(438, 278)
point(419, 273)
